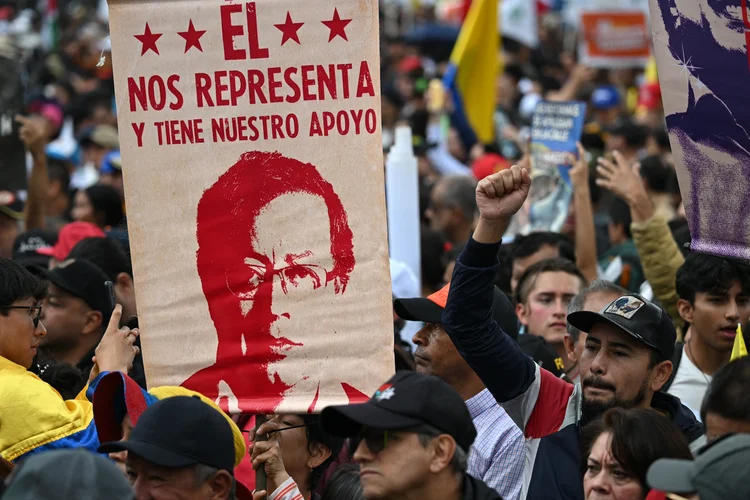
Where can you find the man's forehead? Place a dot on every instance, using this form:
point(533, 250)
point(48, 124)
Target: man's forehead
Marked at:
point(556, 282)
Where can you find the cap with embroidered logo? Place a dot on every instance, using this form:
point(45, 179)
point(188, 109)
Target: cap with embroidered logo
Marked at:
point(636, 316)
point(408, 400)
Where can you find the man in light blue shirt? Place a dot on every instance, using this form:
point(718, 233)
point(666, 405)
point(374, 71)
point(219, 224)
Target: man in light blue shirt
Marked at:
point(497, 456)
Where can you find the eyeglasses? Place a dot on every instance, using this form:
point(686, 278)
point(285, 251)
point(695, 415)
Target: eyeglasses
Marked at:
point(377, 439)
point(35, 312)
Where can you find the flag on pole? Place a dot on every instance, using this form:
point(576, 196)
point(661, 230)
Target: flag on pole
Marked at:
point(739, 350)
point(51, 33)
point(473, 69)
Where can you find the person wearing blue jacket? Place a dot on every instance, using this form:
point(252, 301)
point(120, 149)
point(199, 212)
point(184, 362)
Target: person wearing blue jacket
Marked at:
point(625, 362)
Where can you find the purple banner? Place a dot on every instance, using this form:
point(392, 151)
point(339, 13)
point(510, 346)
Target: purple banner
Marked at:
point(704, 71)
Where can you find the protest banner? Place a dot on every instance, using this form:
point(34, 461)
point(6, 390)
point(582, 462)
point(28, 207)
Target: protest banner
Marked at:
point(253, 168)
point(614, 39)
point(702, 58)
point(556, 127)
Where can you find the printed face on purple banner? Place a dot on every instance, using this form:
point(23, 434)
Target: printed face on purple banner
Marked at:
point(555, 129)
point(705, 75)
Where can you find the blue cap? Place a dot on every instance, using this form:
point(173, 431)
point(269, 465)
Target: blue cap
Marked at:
point(112, 163)
point(605, 97)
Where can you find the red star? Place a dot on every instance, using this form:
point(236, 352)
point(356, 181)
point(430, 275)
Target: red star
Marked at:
point(192, 37)
point(337, 26)
point(289, 29)
point(148, 40)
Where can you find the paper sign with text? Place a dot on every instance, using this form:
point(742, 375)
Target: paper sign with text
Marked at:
point(252, 157)
point(615, 39)
point(555, 129)
point(701, 50)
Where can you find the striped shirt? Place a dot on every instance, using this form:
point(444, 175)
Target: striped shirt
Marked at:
point(498, 453)
point(286, 491)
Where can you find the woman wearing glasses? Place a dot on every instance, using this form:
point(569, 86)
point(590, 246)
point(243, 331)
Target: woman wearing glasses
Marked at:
point(296, 455)
point(34, 416)
point(618, 449)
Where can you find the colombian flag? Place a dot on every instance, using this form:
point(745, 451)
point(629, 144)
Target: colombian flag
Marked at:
point(473, 70)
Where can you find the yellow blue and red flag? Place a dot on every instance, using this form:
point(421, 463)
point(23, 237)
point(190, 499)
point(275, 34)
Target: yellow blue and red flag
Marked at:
point(474, 67)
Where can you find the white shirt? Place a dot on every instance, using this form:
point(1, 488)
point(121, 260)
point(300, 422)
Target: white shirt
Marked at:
point(689, 384)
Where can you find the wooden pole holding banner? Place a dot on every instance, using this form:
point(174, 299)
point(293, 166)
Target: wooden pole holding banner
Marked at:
point(260, 474)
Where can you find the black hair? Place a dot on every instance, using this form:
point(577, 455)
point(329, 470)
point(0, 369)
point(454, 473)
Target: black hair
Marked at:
point(505, 269)
point(62, 377)
point(661, 137)
point(619, 213)
point(681, 234)
point(16, 283)
point(523, 246)
point(528, 278)
point(316, 435)
point(726, 395)
point(107, 205)
point(703, 273)
point(658, 176)
point(639, 437)
point(58, 172)
point(344, 484)
point(105, 253)
point(635, 135)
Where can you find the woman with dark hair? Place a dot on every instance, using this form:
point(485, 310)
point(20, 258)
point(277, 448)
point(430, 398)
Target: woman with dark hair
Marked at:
point(100, 205)
point(344, 484)
point(618, 449)
point(298, 451)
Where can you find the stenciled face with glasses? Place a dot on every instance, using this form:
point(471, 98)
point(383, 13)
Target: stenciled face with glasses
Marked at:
point(21, 331)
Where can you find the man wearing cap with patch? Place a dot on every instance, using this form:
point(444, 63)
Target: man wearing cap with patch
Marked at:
point(718, 473)
point(414, 436)
point(75, 312)
point(626, 359)
point(497, 457)
point(180, 448)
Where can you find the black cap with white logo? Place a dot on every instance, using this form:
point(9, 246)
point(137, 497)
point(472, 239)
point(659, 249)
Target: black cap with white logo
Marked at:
point(638, 317)
point(408, 400)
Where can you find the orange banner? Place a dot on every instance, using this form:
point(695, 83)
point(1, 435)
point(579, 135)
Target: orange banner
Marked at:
point(615, 39)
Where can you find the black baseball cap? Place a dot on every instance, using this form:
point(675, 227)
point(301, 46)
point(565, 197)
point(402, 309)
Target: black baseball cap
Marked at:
point(430, 309)
point(636, 316)
point(408, 400)
point(179, 432)
point(77, 473)
point(27, 243)
point(84, 280)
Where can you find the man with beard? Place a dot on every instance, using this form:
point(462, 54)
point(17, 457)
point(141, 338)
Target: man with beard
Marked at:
point(624, 364)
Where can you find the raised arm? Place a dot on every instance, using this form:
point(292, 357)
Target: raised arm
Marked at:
point(32, 135)
point(513, 378)
point(585, 242)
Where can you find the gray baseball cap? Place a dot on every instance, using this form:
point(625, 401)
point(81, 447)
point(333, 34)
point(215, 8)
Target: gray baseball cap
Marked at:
point(718, 473)
point(78, 474)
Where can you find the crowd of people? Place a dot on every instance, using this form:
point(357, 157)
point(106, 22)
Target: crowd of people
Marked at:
point(593, 362)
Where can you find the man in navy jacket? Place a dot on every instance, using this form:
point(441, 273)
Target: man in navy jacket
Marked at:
point(624, 364)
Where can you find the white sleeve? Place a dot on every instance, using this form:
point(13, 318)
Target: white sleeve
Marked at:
point(287, 491)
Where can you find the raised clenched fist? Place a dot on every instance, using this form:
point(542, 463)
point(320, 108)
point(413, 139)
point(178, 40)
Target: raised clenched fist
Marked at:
point(501, 195)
